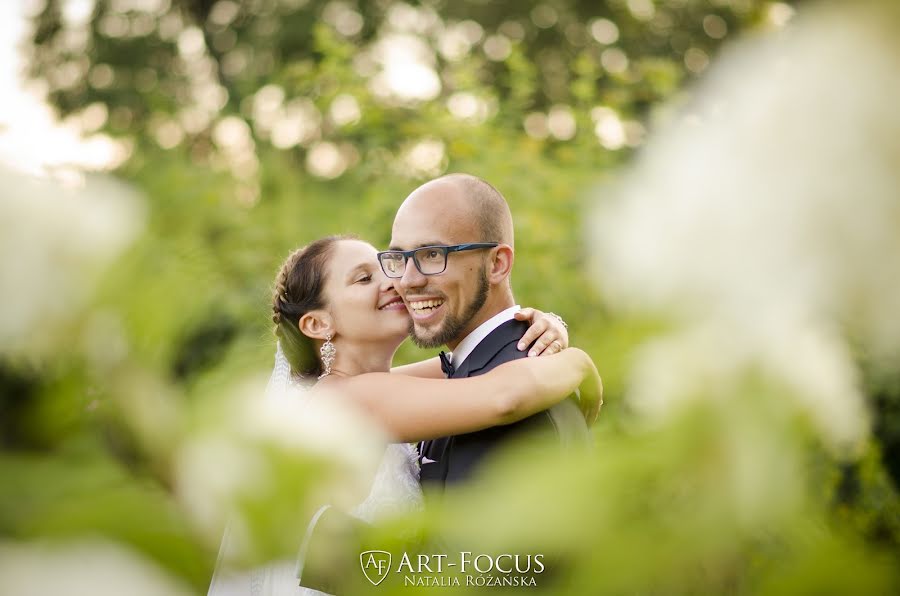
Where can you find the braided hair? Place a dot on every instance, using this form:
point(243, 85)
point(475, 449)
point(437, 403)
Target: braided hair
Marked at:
point(299, 289)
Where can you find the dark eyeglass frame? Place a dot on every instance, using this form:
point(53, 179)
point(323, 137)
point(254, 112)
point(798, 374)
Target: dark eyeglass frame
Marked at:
point(407, 254)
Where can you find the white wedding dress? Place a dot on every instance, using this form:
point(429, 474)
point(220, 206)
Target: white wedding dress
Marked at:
point(395, 490)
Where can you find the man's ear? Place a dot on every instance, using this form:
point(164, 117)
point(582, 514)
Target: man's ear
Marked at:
point(316, 324)
point(501, 264)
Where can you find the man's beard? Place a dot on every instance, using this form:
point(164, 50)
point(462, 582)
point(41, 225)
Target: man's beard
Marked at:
point(453, 326)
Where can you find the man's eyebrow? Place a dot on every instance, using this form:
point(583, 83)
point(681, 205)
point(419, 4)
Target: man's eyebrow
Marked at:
point(433, 243)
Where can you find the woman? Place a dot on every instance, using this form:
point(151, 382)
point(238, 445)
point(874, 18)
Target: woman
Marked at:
point(336, 288)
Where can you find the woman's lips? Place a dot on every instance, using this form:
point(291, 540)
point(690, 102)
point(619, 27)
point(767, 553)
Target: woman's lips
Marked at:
point(396, 304)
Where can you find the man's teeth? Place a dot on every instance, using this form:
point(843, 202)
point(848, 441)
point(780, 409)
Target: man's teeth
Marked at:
point(423, 304)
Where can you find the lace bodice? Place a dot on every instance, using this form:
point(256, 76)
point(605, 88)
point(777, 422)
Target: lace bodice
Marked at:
point(395, 489)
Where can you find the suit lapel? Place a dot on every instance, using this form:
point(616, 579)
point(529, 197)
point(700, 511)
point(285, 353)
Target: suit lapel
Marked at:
point(484, 352)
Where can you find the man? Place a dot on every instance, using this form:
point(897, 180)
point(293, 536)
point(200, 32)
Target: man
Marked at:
point(452, 253)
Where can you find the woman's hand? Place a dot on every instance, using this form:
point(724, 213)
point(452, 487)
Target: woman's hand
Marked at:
point(590, 393)
point(548, 329)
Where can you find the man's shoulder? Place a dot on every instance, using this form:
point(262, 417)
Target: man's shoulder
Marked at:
point(499, 346)
point(564, 418)
point(507, 335)
point(508, 346)
point(509, 328)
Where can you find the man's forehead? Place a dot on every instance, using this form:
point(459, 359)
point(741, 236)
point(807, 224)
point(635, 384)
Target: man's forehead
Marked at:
point(413, 230)
point(435, 210)
point(415, 235)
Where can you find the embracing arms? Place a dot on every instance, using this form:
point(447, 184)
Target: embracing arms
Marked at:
point(412, 408)
point(545, 329)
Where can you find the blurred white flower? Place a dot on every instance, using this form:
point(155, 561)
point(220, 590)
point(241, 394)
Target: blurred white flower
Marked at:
point(468, 106)
point(425, 158)
point(54, 243)
point(561, 122)
point(325, 160)
point(299, 122)
point(293, 450)
point(407, 69)
point(535, 125)
point(608, 127)
point(456, 40)
point(709, 358)
point(767, 221)
point(83, 568)
point(604, 31)
point(497, 47)
point(233, 137)
point(343, 18)
point(345, 110)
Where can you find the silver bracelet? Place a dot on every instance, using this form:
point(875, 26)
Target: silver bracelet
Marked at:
point(558, 318)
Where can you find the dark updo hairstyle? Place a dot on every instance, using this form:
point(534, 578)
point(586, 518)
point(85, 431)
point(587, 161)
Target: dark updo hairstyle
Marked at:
point(299, 289)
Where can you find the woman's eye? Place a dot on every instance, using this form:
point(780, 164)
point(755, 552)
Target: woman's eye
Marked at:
point(365, 279)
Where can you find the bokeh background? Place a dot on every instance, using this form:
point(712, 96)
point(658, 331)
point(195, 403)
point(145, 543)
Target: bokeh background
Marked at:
point(706, 190)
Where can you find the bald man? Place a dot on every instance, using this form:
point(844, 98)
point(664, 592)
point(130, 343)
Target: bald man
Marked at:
point(452, 253)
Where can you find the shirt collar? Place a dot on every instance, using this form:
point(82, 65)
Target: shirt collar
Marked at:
point(471, 341)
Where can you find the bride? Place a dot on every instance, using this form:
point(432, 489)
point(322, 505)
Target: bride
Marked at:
point(335, 289)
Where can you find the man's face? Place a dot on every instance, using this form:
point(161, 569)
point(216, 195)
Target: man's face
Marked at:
point(441, 306)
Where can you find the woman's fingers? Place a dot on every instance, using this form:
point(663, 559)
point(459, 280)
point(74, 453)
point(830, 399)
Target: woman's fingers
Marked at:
point(546, 344)
point(527, 314)
point(547, 333)
point(558, 328)
point(538, 326)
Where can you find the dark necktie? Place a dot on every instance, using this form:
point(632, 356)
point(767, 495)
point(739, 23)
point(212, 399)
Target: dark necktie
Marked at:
point(446, 365)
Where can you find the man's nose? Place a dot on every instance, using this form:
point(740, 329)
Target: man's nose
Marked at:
point(412, 277)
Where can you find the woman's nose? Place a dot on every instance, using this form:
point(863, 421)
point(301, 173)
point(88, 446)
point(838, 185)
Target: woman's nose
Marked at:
point(387, 284)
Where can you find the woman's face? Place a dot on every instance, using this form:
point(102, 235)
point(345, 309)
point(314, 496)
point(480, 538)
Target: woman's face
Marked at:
point(361, 299)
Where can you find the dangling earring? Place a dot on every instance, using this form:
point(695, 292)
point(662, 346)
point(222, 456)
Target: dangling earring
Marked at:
point(327, 351)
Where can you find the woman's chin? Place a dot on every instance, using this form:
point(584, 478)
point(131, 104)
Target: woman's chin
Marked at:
point(397, 335)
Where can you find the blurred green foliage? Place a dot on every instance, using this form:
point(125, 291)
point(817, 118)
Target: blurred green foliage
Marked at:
point(89, 447)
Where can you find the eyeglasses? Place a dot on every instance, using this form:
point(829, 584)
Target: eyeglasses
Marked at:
point(429, 260)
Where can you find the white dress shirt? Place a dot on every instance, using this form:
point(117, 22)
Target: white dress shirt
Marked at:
point(471, 341)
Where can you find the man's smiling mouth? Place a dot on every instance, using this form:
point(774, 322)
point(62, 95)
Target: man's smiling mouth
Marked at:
point(425, 306)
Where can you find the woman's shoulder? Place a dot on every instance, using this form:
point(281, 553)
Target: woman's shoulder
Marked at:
point(333, 381)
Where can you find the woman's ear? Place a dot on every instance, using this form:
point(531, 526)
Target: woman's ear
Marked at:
point(316, 324)
point(501, 264)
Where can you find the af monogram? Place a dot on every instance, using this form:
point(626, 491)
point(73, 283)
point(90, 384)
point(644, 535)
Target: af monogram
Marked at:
point(375, 565)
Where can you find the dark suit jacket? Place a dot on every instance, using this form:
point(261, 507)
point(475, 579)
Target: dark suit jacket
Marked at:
point(453, 459)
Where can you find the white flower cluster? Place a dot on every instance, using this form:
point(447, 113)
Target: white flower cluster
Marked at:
point(86, 566)
point(294, 449)
point(54, 243)
point(765, 221)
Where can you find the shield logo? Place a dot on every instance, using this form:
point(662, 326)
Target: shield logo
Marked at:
point(375, 565)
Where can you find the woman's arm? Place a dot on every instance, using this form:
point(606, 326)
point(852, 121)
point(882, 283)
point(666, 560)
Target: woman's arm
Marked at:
point(424, 369)
point(544, 331)
point(413, 409)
